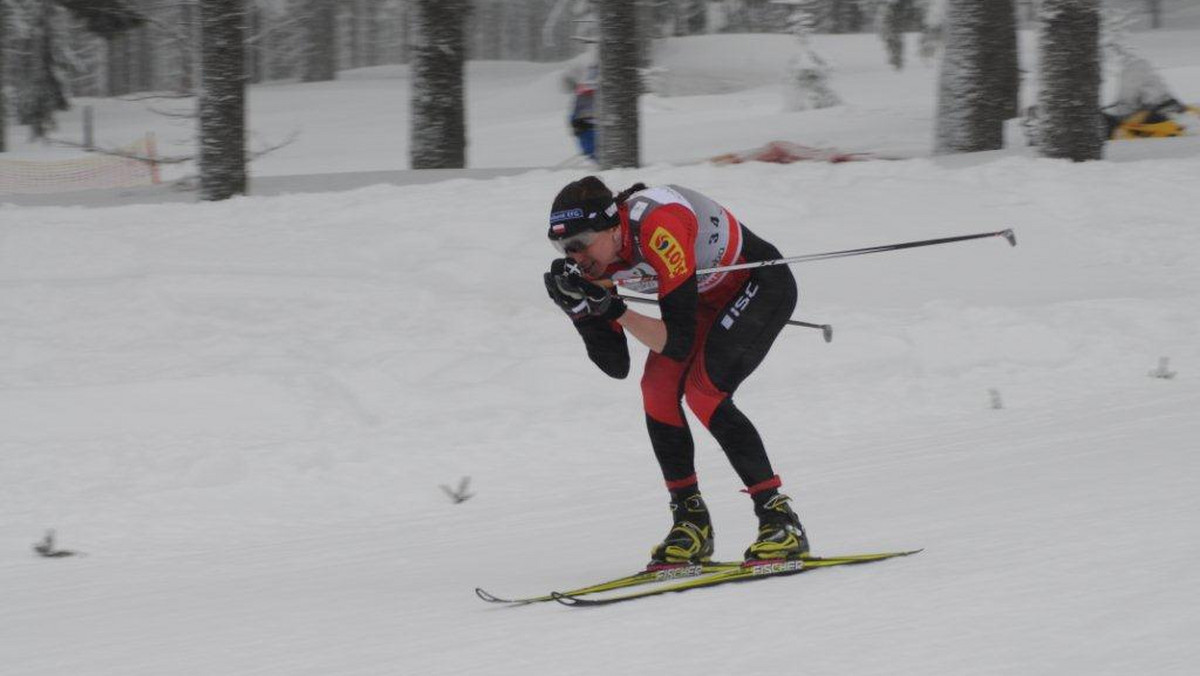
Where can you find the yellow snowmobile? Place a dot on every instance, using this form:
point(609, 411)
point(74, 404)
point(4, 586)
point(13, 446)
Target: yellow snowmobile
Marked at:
point(1143, 108)
point(1169, 119)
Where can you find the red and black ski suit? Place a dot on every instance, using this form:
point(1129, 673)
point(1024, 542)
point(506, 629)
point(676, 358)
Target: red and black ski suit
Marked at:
point(719, 327)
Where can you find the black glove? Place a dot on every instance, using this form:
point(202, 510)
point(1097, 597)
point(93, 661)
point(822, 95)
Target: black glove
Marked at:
point(578, 297)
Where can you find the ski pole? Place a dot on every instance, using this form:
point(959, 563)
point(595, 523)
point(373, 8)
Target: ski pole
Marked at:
point(1006, 234)
point(826, 329)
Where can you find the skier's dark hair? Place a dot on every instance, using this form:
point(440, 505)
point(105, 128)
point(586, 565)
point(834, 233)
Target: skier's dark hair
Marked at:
point(588, 191)
point(591, 190)
point(624, 194)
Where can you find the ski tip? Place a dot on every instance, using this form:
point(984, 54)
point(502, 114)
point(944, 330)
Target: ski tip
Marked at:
point(863, 558)
point(479, 591)
point(565, 599)
point(904, 552)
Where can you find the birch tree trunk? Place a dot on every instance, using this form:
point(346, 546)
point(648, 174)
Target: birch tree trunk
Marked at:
point(620, 84)
point(222, 99)
point(438, 128)
point(1069, 121)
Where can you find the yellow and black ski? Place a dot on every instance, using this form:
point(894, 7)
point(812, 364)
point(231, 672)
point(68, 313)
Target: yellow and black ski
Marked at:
point(757, 570)
point(713, 570)
point(663, 573)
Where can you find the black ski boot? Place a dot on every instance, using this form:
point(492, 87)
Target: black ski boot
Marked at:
point(780, 535)
point(691, 537)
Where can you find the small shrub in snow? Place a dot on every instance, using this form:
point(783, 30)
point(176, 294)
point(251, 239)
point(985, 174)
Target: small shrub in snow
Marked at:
point(460, 494)
point(997, 403)
point(1162, 371)
point(47, 548)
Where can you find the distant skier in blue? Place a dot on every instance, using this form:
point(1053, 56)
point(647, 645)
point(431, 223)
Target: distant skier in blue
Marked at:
point(583, 113)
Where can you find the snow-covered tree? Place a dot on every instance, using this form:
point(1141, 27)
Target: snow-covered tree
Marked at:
point(686, 17)
point(933, 25)
point(618, 123)
point(438, 129)
point(40, 31)
point(1069, 122)
point(222, 99)
point(974, 83)
point(807, 74)
point(41, 92)
point(891, 20)
point(891, 30)
point(128, 59)
point(1116, 23)
point(755, 16)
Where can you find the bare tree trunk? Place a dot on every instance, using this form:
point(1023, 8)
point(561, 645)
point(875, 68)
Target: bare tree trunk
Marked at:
point(255, 48)
point(518, 22)
point(1155, 9)
point(845, 16)
point(973, 84)
point(486, 21)
point(355, 32)
point(3, 101)
point(645, 31)
point(1069, 122)
point(371, 33)
point(1007, 66)
point(146, 58)
point(187, 26)
point(223, 99)
point(132, 67)
point(619, 86)
point(438, 138)
point(320, 59)
point(116, 65)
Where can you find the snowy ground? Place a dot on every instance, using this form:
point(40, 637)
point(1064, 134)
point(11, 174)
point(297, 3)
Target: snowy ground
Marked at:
point(242, 412)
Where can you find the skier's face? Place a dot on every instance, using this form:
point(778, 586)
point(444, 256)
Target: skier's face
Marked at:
point(600, 253)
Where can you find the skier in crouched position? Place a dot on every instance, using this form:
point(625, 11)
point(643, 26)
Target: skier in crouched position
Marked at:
point(715, 330)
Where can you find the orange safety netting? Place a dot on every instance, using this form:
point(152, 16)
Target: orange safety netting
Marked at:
point(92, 171)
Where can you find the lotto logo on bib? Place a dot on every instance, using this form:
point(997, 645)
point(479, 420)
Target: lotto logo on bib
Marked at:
point(667, 247)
